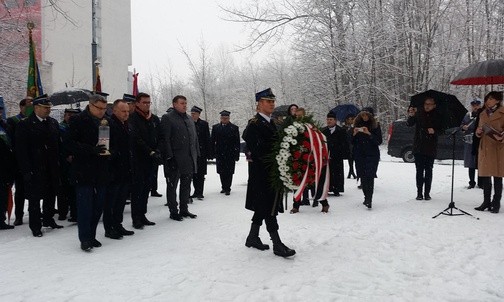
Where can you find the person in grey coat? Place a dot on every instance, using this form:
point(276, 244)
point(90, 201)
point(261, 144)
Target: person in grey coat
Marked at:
point(179, 146)
point(468, 126)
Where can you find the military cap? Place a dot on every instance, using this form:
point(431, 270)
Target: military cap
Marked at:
point(266, 94)
point(224, 113)
point(331, 115)
point(103, 94)
point(42, 100)
point(196, 109)
point(476, 102)
point(129, 98)
point(72, 110)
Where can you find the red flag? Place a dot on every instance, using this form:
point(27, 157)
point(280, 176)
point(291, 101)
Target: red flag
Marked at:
point(97, 87)
point(10, 204)
point(135, 83)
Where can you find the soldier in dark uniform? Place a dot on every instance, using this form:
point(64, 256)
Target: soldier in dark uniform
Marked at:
point(339, 149)
point(261, 197)
point(203, 132)
point(225, 142)
point(37, 153)
point(25, 108)
point(7, 171)
point(120, 164)
point(66, 196)
point(146, 155)
point(90, 168)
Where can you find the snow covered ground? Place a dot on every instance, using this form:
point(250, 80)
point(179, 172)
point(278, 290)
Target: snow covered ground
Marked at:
point(394, 252)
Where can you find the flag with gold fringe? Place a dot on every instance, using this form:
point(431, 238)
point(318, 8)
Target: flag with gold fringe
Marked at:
point(34, 87)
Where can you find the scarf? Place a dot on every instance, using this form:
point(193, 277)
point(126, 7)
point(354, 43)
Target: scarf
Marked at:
point(146, 116)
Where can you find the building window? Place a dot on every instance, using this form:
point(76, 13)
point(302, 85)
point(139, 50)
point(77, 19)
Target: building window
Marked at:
point(29, 2)
point(9, 4)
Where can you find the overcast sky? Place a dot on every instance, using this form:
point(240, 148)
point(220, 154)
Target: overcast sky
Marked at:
point(158, 25)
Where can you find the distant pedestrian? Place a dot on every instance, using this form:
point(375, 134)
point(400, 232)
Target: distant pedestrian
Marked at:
point(203, 133)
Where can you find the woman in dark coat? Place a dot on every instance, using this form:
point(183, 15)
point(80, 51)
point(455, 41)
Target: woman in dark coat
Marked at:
point(366, 138)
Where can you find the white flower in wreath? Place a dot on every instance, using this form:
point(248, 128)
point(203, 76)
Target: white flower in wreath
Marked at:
point(286, 138)
point(284, 145)
point(288, 131)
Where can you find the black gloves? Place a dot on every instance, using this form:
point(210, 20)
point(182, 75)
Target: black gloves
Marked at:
point(99, 149)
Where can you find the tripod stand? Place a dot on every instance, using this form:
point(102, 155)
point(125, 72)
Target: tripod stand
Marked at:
point(449, 210)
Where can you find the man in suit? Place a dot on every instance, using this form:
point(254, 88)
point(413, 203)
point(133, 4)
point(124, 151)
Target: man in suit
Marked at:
point(261, 197)
point(180, 152)
point(37, 154)
point(203, 133)
point(225, 142)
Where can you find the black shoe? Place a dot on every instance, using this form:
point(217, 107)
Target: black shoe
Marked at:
point(188, 214)
point(305, 202)
point(419, 197)
point(359, 187)
point(4, 226)
point(72, 219)
point(190, 200)
point(484, 206)
point(138, 225)
point(37, 233)
point(227, 193)
point(200, 197)
point(95, 243)
point(222, 191)
point(123, 231)
point(367, 204)
point(427, 196)
point(337, 194)
point(176, 217)
point(146, 221)
point(62, 217)
point(166, 204)
point(155, 194)
point(18, 221)
point(315, 203)
point(113, 234)
point(281, 250)
point(257, 243)
point(52, 224)
point(86, 246)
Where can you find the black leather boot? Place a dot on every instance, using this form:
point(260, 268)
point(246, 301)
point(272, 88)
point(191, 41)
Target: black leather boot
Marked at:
point(279, 248)
point(495, 205)
point(253, 239)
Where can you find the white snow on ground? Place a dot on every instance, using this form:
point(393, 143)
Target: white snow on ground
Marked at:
point(394, 252)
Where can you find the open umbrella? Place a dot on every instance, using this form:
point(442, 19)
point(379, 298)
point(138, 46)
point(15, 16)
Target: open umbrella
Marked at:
point(449, 107)
point(488, 72)
point(281, 110)
point(344, 110)
point(70, 96)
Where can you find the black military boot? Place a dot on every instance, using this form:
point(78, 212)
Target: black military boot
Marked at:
point(279, 248)
point(253, 239)
point(495, 204)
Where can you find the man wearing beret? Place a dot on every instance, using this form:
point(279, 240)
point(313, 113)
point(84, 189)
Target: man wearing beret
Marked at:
point(261, 197)
point(37, 153)
point(203, 133)
point(225, 144)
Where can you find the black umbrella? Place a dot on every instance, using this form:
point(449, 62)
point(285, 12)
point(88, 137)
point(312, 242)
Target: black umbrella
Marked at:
point(448, 106)
point(281, 110)
point(488, 72)
point(70, 96)
point(344, 110)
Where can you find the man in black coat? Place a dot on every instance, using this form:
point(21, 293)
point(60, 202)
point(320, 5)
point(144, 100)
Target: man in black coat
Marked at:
point(339, 149)
point(120, 166)
point(25, 109)
point(90, 167)
point(145, 136)
point(261, 197)
point(203, 133)
point(37, 154)
point(225, 144)
point(428, 127)
point(7, 172)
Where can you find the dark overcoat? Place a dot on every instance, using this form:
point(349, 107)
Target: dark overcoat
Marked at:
point(425, 143)
point(179, 142)
point(203, 133)
point(365, 149)
point(37, 153)
point(226, 143)
point(469, 120)
point(259, 136)
point(7, 163)
point(145, 134)
point(87, 168)
point(337, 143)
point(120, 149)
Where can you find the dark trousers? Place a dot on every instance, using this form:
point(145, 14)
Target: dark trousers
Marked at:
point(487, 190)
point(351, 171)
point(19, 196)
point(113, 207)
point(198, 181)
point(368, 188)
point(424, 165)
point(66, 201)
point(4, 199)
point(48, 202)
point(226, 181)
point(171, 191)
point(271, 221)
point(140, 195)
point(154, 178)
point(89, 206)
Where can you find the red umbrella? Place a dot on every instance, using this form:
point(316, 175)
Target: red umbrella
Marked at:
point(490, 72)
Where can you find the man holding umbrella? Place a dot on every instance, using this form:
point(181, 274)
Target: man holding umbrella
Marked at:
point(428, 125)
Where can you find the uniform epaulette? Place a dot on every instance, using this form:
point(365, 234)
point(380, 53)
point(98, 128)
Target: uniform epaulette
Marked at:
point(253, 120)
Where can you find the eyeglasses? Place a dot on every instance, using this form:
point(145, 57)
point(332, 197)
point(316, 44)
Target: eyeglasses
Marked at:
point(99, 108)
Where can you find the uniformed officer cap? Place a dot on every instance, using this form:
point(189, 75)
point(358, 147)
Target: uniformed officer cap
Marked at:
point(331, 115)
point(103, 94)
point(225, 113)
point(72, 110)
point(42, 100)
point(129, 98)
point(196, 109)
point(266, 94)
point(476, 102)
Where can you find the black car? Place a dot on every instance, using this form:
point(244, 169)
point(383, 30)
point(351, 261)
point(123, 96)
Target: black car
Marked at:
point(400, 142)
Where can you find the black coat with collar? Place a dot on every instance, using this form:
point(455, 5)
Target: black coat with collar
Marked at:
point(120, 149)
point(37, 154)
point(226, 145)
point(203, 133)
point(337, 143)
point(259, 136)
point(145, 134)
